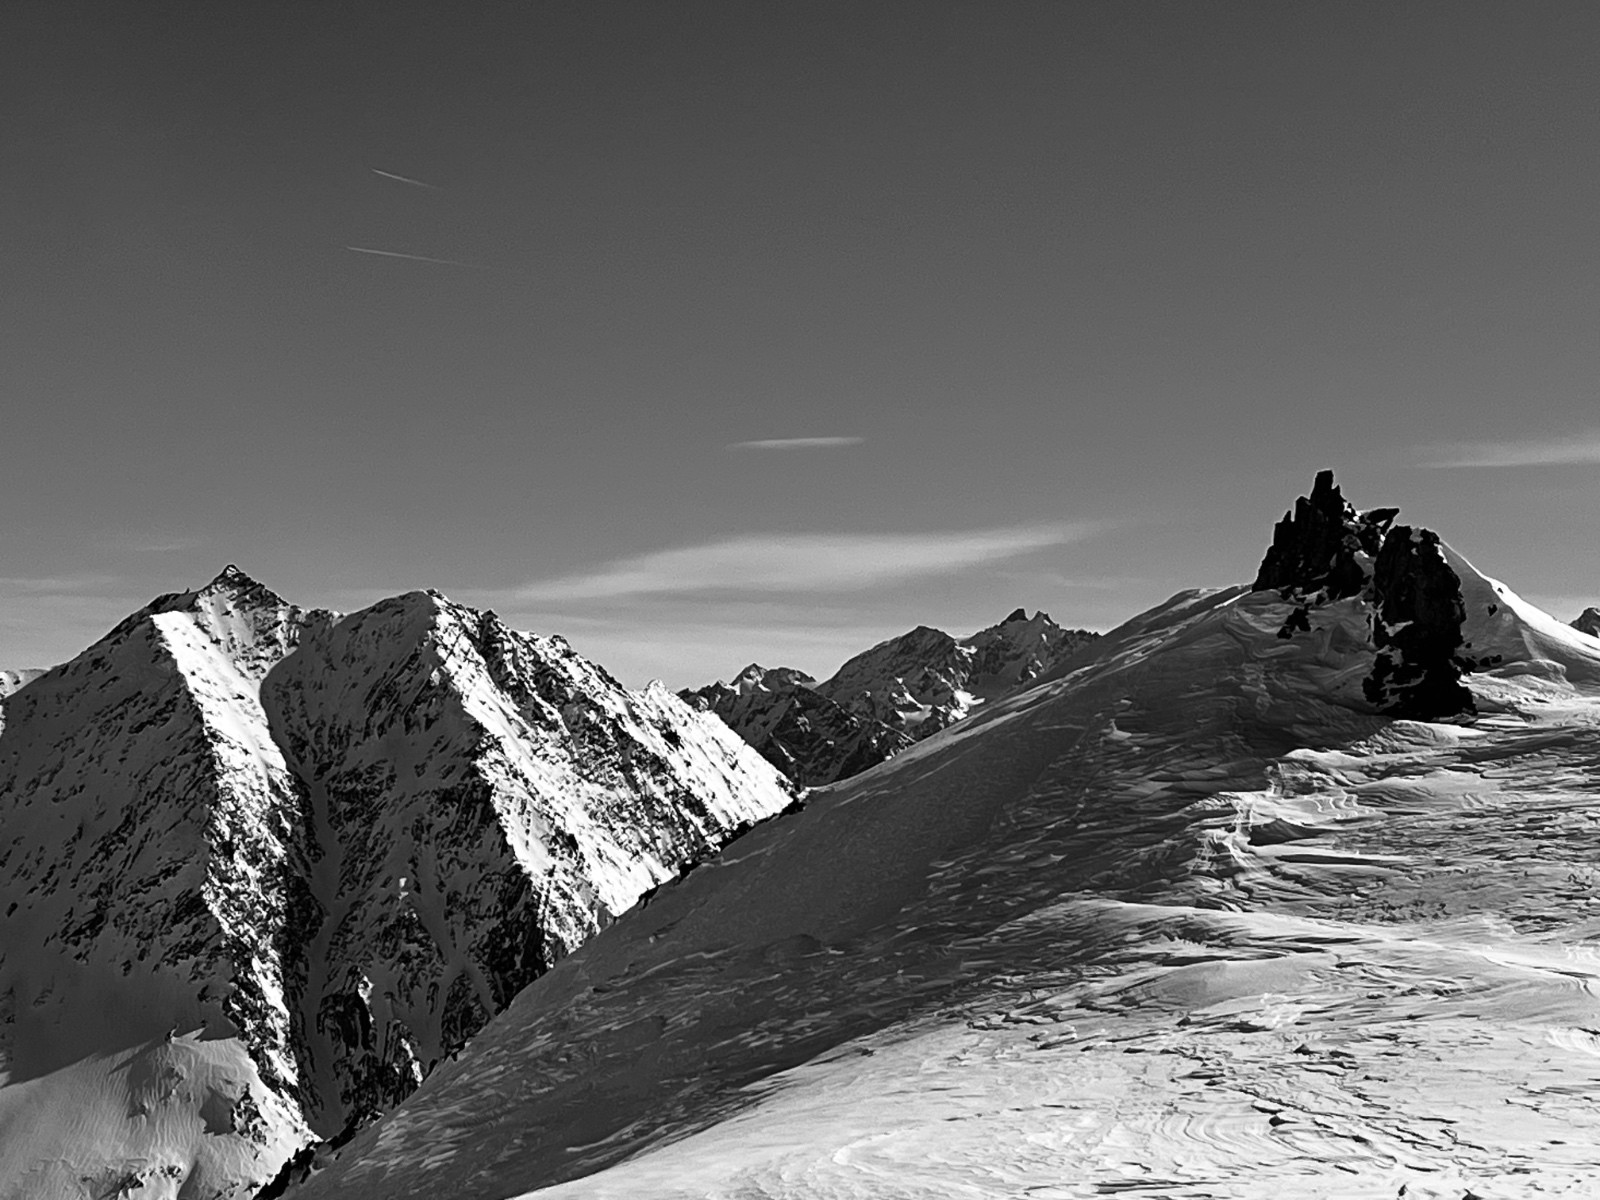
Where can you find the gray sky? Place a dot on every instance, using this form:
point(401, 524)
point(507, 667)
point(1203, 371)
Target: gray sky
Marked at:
point(710, 332)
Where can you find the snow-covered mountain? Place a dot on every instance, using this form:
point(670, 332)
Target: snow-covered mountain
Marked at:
point(886, 698)
point(1193, 916)
point(264, 867)
point(810, 738)
point(924, 680)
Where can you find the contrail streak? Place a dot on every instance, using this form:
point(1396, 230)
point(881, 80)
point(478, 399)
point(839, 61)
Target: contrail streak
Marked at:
point(446, 262)
point(799, 443)
point(432, 187)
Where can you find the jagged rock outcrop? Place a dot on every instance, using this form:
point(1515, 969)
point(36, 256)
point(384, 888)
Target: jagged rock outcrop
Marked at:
point(886, 698)
point(1417, 629)
point(1324, 545)
point(1588, 622)
point(1325, 551)
point(344, 841)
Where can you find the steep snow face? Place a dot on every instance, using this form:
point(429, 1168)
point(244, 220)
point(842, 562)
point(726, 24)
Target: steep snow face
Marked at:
point(1188, 917)
point(1502, 630)
point(337, 844)
point(886, 698)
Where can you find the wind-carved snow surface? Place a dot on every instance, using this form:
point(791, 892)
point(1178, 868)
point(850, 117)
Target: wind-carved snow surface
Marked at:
point(885, 698)
point(1187, 919)
point(282, 862)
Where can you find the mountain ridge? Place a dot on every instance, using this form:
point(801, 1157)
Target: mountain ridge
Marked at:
point(885, 698)
point(335, 843)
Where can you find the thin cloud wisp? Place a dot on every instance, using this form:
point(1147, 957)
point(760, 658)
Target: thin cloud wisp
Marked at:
point(799, 443)
point(1578, 448)
point(816, 562)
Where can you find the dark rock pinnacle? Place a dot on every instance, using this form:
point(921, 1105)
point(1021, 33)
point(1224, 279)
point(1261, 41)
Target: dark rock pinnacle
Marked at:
point(1324, 550)
point(1320, 545)
point(1417, 629)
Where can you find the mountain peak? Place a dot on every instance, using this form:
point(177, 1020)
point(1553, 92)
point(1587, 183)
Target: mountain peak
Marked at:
point(232, 581)
point(1588, 622)
point(230, 585)
point(1323, 544)
point(231, 576)
point(1020, 615)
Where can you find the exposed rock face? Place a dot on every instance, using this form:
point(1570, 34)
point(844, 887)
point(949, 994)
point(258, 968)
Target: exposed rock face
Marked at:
point(1588, 622)
point(1324, 551)
point(885, 698)
point(347, 840)
point(1324, 545)
point(1417, 629)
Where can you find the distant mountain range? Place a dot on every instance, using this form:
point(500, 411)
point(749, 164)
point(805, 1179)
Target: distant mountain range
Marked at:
point(886, 698)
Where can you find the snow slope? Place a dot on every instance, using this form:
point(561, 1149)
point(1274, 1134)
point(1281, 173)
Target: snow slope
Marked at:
point(323, 851)
point(1189, 918)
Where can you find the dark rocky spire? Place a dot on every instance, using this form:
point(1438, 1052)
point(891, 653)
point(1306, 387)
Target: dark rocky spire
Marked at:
point(1417, 629)
point(1324, 550)
point(1318, 545)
